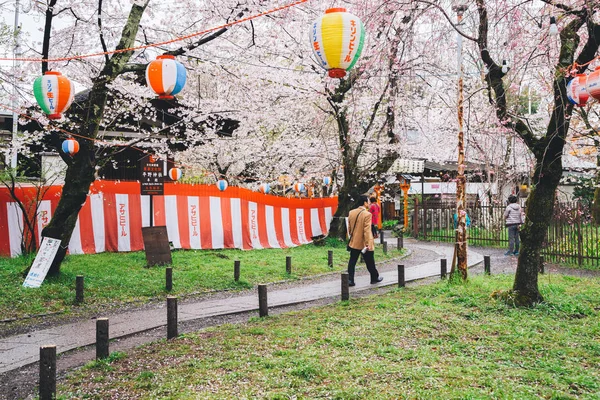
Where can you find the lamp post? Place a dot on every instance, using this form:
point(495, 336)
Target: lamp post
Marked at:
point(12, 155)
point(405, 185)
point(461, 229)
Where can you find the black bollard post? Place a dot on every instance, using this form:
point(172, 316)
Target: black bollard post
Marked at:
point(169, 279)
point(47, 389)
point(288, 265)
point(401, 278)
point(401, 240)
point(102, 336)
point(381, 236)
point(263, 306)
point(385, 248)
point(171, 317)
point(487, 265)
point(236, 270)
point(345, 286)
point(79, 289)
point(330, 258)
point(542, 265)
point(443, 268)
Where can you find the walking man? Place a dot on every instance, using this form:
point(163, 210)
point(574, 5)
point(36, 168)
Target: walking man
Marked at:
point(361, 240)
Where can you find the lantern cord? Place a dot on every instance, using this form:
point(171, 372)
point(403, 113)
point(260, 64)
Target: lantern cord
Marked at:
point(177, 39)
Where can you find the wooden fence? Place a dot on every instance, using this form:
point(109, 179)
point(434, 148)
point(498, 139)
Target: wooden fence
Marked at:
point(572, 236)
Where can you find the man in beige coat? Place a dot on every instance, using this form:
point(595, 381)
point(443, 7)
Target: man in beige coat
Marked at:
point(361, 238)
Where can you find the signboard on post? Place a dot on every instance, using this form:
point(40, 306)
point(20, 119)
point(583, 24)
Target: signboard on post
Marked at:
point(43, 261)
point(151, 176)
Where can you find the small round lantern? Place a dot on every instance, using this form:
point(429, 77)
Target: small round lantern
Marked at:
point(166, 76)
point(70, 147)
point(222, 185)
point(175, 174)
point(299, 187)
point(337, 39)
point(593, 84)
point(54, 93)
point(264, 188)
point(576, 90)
point(326, 181)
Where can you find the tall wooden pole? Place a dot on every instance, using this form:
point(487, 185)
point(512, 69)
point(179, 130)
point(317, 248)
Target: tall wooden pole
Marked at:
point(461, 181)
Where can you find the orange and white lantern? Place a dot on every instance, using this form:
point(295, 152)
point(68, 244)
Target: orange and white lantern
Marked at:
point(54, 93)
point(175, 174)
point(593, 84)
point(166, 76)
point(576, 90)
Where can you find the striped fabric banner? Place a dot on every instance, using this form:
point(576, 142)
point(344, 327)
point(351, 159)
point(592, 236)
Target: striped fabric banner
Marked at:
point(196, 217)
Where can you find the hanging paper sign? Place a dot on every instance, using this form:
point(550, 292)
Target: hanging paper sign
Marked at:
point(151, 176)
point(43, 261)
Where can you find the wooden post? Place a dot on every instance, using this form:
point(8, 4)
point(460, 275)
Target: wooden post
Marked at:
point(385, 248)
point(236, 270)
point(400, 244)
point(345, 286)
point(79, 289)
point(47, 389)
point(169, 279)
point(102, 336)
point(401, 278)
point(288, 265)
point(443, 268)
point(487, 265)
point(381, 235)
point(416, 218)
point(330, 258)
point(263, 306)
point(171, 317)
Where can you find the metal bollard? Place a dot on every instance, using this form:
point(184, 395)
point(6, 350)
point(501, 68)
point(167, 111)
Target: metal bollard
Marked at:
point(345, 286)
point(102, 336)
point(236, 270)
point(263, 306)
point(169, 279)
point(487, 265)
point(79, 289)
point(47, 389)
point(381, 236)
point(401, 278)
point(171, 317)
point(443, 268)
point(288, 265)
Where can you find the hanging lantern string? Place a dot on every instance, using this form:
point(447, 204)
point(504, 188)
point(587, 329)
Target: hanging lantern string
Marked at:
point(177, 39)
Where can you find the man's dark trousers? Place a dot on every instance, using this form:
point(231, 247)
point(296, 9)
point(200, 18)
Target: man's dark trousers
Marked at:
point(369, 257)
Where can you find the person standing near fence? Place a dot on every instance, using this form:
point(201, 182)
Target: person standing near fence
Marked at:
point(374, 210)
point(513, 215)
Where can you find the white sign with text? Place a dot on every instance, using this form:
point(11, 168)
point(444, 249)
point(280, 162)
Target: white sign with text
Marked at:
point(42, 262)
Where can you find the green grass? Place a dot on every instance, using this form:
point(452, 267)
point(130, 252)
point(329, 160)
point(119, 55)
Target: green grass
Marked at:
point(432, 342)
point(117, 278)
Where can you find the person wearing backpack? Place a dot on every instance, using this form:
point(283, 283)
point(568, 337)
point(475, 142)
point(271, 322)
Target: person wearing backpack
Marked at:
point(361, 240)
point(513, 215)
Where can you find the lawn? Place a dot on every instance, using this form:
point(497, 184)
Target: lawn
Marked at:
point(430, 342)
point(117, 278)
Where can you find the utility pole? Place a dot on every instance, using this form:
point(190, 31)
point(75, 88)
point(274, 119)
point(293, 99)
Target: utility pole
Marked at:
point(461, 229)
point(12, 155)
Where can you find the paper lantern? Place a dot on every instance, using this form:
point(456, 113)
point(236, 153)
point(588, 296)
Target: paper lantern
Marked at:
point(299, 187)
point(70, 147)
point(337, 41)
point(593, 84)
point(175, 174)
point(54, 93)
point(264, 188)
point(166, 76)
point(222, 184)
point(576, 90)
point(326, 181)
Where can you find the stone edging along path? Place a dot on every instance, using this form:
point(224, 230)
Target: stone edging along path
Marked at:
point(20, 350)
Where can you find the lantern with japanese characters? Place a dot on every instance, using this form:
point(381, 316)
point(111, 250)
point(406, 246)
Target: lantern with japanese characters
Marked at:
point(222, 185)
point(166, 76)
point(264, 188)
point(54, 93)
point(299, 187)
point(593, 84)
point(175, 174)
point(576, 90)
point(70, 147)
point(326, 181)
point(337, 39)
